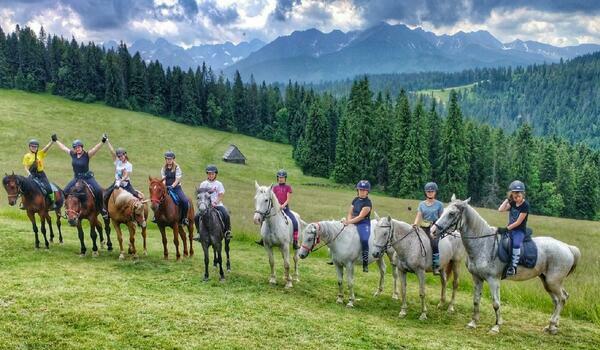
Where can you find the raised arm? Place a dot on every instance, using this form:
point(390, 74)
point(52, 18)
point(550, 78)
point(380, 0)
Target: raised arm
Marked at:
point(505, 206)
point(112, 150)
point(47, 147)
point(63, 147)
point(95, 149)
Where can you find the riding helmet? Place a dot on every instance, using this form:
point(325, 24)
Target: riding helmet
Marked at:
point(431, 186)
point(77, 143)
point(363, 185)
point(211, 168)
point(34, 142)
point(120, 151)
point(517, 186)
point(170, 154)
point(282, 173)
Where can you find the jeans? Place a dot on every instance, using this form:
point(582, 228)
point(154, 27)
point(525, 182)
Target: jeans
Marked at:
point(292, 217)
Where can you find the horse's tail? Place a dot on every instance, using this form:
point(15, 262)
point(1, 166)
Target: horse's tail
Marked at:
point(576, 256)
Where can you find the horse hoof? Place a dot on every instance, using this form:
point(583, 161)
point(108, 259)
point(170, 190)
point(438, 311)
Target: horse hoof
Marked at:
point(377, 293)
point(553, 330)
point(440, 305)
point(61, 243)
point(222, 279)
point(135, 257)
point(82, 255)
point(94, 254)
point(145, 252)
point(402, 314)
point(423, 317)
point(395, 296)
point(288, 285)
point(451, 308)
point(121, 256)
point(205, 279)
point(296, 279)
point(472, 325)
point(272, 281)
point(494, 330)
point(101, 245)
point(339, 300)
point(165, 257)
point(350, 304)
point(228, 269)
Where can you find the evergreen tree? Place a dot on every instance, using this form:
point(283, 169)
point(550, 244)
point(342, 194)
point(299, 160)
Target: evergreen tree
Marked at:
point(314, 145)
point(585, 201)
point(190, 113)
point(138, 89)
point(239, 103)
point(115, 85)
point(416, 170)
point(525, 163)
point(435, 126)
point(156, 89)
point(400, 123)
point(6, 79)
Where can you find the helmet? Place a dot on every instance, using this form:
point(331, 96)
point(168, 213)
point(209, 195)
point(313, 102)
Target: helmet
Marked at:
point(517, 186)
point(212, 169)
point(363, 185)
point(34, 142)
point(282, 173)
point(170, 154)
point(431, 186)
point(120, 151)
point(77, 143)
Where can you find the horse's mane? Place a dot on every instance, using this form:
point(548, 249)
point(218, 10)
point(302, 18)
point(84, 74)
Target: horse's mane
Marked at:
point(476, 221)
point(79, 191)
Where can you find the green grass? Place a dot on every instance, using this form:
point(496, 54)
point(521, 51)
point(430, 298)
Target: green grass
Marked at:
point(54, 299)
point(442, 95)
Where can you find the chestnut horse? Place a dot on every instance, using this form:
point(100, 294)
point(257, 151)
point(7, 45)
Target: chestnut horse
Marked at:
point(166, 213)
point(79, 205)
point(34, 202)
point(125, 208)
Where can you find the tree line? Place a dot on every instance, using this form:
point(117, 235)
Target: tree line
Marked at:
point(398, 143)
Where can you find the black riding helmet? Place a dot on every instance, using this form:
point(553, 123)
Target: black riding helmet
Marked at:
point(431, 186)
point(211, 168)
point(282, 173)
point(170, 154)
point(517, 186)
point(34, 142)
point(77, 143)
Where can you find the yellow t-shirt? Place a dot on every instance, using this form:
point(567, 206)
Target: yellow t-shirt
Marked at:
point(29, 158)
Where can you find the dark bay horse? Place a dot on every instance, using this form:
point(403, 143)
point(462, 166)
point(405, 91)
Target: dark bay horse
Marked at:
point(79, 205)
point(166, 213)
point(212, 232)
point(34, 202)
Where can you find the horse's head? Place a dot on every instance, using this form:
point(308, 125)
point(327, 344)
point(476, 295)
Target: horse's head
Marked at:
point(73, 208)
point(452, 217)
point(382, 236)
point(310, 238)
point(158, 192)
point(12, 186)
point(263, 202)
point(139, 212)
point(204, 200)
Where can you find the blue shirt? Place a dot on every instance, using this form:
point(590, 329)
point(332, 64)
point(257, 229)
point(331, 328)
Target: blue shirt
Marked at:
point(513, 215)
point(358, 204)
point(431, 212)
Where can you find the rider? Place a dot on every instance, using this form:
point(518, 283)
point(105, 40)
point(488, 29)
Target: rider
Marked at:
point(428, 212)
point(359, 214)
point(283, 192)
point(517, 220)
point(80, 161)
point(123, 170)
point(34, 166)
point(171, 177)
point(217, 191)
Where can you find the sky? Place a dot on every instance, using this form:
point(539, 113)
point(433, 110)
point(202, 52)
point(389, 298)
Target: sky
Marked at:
point(194, 22)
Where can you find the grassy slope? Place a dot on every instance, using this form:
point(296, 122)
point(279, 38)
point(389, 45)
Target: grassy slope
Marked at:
point(56, 298)
point(442, 95)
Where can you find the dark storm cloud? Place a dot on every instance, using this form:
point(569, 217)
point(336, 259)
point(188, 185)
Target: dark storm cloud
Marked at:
point(219, 16)
point(283, 9)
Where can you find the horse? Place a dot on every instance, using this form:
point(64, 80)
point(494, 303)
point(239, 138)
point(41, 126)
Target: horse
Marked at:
point(414, 255)
point(276, 230)
point(125, 208)
point(345, 248)
point(211, 229)
point(80, 204)
point(166, 213)
point(555, 261)
point(34, 202)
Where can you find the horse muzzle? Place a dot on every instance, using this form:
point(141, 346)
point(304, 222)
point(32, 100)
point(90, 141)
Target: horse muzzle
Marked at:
point(257, 219)
point(377, 254)
point(303, 253)
point(72, 222)
point(12, 202)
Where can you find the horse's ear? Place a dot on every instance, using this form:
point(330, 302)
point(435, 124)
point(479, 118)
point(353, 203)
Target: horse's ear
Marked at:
point(271, 187)
point(256, 185)
point(453, 198)
point(149, 178)
point(389, 218)
point(466, 201)
point(13, 172)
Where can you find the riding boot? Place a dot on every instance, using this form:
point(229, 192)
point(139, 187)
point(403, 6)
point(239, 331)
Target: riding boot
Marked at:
point(51, 200)
point(295, 245)
point(435, 265)
point(260, 242)
point(516, 255)
point(365, 260)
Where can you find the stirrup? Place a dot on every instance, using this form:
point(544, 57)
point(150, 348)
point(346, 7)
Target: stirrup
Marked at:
point(295, 245)
point(511, 271)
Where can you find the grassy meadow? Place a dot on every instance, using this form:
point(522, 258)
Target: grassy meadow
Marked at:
point(442, 95)
point(52, 299)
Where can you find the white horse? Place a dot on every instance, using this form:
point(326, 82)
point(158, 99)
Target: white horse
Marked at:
point(414, 255)
point(555, 261)
point(345, 248)
point(276, 230)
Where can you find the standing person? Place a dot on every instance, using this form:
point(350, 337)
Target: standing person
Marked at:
point(518, 209)
point(171, 176)
point(283, 192)
point(123, 170)
point(80, 161)
point(217, 191)
point(359, 214)
point(33, 161)
point(428, 212)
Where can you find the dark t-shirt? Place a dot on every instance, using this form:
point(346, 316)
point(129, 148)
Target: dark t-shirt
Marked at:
point(514, 214)
point(80, 165)
point(357, 205)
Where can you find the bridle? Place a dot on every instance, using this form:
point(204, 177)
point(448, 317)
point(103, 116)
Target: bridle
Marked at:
point(162, 196)
point(390, 242)
point(69, 210)
point(19, 190)
point(453, 226)
point(318, 235)
point(266, 213)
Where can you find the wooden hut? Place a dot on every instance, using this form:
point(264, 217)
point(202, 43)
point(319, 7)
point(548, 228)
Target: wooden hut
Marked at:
point(233, 155)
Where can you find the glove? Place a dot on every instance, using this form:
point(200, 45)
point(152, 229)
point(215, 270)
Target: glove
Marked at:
point(169, 187)
point(54, 138)
point(104, 138)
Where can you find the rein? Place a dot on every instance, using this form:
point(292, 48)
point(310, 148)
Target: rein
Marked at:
point(312, 249)
point(389, 243)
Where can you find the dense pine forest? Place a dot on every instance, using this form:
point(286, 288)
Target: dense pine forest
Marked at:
point(396, 141)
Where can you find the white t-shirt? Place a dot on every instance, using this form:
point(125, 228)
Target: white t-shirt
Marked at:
point(119, 167)
point(216, 188)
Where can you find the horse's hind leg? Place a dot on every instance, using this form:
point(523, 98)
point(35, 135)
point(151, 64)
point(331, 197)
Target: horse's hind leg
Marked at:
point(49, 221)
point(381, 265)
point(191, 237)
point(350, 277)
point(455, 278)
point(421, 275)
point(218, 248)
point(227, 254)
point(58, 225)
point(285, 253)
point(144, 236)
point(132, 249)
point(43, 222)
point(404, 307)
point(215, 259)
point(495, 291)
point(184, 240)
point(176, 241)
point(109, 245)
point(119, 239)
point(340, 281)
point(31, 217)
point(444, 280)
point(559, 297)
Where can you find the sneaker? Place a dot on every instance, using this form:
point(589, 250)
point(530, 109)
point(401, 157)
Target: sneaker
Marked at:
point(260, 242)
point(185, 221)
point(295, 245)
point(511, 271)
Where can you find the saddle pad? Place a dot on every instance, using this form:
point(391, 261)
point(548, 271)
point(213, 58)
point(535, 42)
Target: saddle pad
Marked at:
point(40, 185)
point(528, 251)
point(174, 196)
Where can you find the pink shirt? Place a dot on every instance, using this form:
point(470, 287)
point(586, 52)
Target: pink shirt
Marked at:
point(281, 192)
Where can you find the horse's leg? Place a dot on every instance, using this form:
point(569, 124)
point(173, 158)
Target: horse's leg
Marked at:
point(109, 246)
point(183, 239)
point(165, 243)
point(176, 241)
point(206, 259)
point(227, 254)
point(42, 216)
point(559, 297)
point(58, 225)
point(131, 228)
point(272, 279)
point(396, 275)
point(455, 277)
point(98, 227)
point(340, 280)
point(296, 272)
point(144, 236)
point(285, 253)
point(495, 291)
point(190, 228)
point(93, 224)
point(119, 238)
point(444, 280)
point(381, 265)
point(477, 286)
point(31, 216)
point(215, 259)
point(81, 239)
point(48, 219)
point(219, 248)
point(421, 275)
point(350, 277)
point(404, 307)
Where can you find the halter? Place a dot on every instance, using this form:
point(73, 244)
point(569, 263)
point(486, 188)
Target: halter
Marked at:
point(389, 243)
point(266, 214)
point(161, 199)
point(312, 248)
point(453, 226)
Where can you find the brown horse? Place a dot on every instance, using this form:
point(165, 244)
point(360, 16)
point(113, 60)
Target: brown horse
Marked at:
point(79, 205)
point(125, 208)
point(34, 202)
point(166, 213)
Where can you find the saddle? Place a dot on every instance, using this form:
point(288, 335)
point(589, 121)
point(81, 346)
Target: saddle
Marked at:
point(529, 251)
point(174, 196)
point(40, 185)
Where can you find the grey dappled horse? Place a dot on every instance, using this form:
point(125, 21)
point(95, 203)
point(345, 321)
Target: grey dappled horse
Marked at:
point(212, 232)
point(414, 255)
point(276, 231)
point(345, 248)
point(555, 261)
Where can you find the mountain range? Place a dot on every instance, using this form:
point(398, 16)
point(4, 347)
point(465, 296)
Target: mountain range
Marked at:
point(313, 56)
